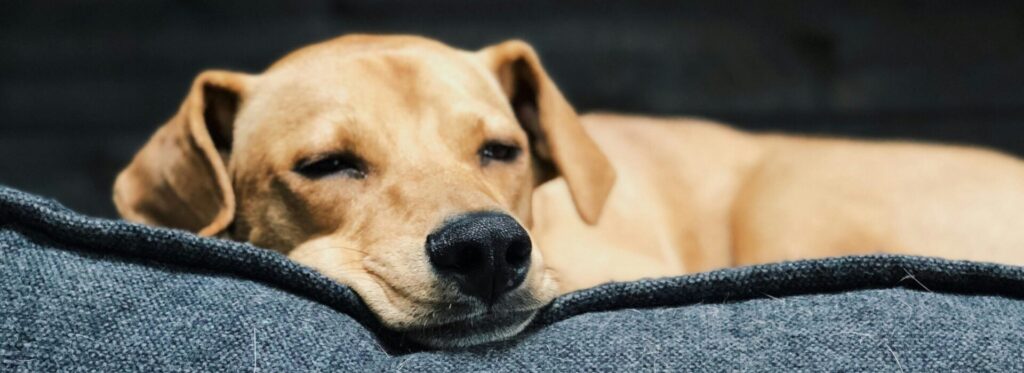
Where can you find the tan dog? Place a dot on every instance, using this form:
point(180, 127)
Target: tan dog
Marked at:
point(407, 170)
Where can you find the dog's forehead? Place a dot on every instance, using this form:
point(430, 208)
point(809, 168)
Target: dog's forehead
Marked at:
point(396, 59)
point(354, 45)
point(385, 87)
point(341, 89)
point(367, 72)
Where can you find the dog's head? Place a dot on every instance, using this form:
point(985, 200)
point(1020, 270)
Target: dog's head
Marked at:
point(397, 165)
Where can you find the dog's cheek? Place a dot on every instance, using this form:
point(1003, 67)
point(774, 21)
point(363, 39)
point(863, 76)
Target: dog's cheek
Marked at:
point(309, 208)
point(523, 208)
point(542, 282)
point(522, 199)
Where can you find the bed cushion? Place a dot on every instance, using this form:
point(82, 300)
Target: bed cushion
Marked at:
point(80, 293)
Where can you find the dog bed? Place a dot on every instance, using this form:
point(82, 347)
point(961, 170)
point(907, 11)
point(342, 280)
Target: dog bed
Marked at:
point(79, 293)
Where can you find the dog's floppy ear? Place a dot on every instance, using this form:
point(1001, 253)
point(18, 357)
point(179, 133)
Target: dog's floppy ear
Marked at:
point(179, 179)
point(557, 139)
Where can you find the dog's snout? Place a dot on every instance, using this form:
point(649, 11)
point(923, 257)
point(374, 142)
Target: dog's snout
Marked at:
point(486, 253)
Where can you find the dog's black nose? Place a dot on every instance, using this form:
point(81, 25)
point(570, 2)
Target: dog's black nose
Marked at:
point(486, 253)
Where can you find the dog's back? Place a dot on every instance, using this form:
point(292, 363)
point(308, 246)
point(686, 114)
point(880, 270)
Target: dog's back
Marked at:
point(694, 195)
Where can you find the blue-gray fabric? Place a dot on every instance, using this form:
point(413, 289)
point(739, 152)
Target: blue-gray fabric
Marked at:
point(86, 294)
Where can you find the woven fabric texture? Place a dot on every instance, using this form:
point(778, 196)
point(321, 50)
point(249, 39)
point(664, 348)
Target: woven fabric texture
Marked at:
point(85, 294)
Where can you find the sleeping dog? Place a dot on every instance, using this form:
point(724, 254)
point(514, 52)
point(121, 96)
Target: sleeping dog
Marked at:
point(458, 191)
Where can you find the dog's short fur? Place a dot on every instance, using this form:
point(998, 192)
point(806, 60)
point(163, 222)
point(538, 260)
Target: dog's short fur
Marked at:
point(616, 198)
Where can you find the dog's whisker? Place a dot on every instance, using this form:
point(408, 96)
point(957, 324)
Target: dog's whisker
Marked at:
point(347, 248)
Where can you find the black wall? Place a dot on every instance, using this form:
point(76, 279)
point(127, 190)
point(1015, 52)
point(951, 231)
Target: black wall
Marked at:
point(83, 83)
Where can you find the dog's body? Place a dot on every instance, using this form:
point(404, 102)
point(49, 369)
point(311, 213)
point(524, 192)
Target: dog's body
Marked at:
point(406, 169)
point(693, 195)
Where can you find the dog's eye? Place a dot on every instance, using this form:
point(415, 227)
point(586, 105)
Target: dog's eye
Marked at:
point(496, 151)
point(337, 164)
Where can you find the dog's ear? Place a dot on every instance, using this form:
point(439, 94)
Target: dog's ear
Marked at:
point(179, 179)
point(558, 141)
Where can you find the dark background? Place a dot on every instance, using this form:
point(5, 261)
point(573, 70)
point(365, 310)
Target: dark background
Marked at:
point(84, 83)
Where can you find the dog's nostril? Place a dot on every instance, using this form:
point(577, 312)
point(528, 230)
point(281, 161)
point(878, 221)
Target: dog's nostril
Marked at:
point(518, 254)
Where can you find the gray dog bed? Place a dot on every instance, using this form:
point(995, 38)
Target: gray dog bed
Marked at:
point(78, 293)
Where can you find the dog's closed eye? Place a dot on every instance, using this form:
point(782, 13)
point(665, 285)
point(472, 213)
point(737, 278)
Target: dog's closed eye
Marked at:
point(342, 164)
point(498, 151)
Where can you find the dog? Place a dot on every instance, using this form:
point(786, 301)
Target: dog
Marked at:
point(457, 192)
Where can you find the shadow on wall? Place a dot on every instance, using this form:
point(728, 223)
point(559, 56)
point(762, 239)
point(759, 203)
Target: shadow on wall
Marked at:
point(85, 83)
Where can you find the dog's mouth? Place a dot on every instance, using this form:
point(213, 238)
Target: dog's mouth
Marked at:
point(443, 316)
point(488, 326)
point(468, 322)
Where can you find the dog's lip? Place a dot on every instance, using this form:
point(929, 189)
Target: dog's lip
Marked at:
point(462, 318)
point(477, 329)
point(487, 316)
point(454, 311)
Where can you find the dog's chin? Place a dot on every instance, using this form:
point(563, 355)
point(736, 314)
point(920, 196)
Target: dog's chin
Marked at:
point(479, 329)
